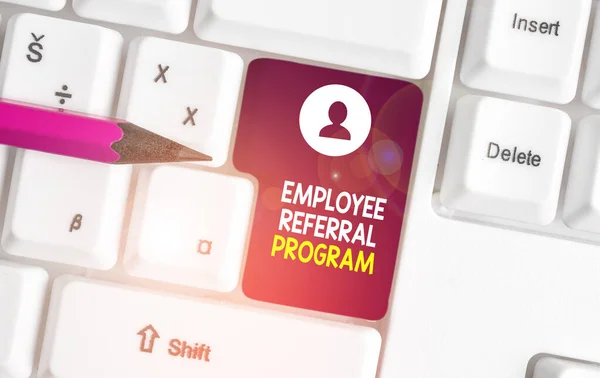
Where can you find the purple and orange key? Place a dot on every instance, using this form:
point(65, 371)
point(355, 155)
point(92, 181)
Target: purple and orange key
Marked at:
point(77, 135)
point(332, 152)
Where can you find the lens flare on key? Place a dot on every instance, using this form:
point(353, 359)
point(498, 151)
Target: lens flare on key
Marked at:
point(349, 173)
point(335, 176)
point(272, 198)
point(386, 160)
point(385, 157)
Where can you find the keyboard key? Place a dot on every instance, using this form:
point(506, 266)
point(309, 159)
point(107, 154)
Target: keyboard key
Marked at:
point(332, 164)
point(505, 159)
point(184, 92)
point(65, 210)
point(526, 48)
point(551, 367)
point(5, 153)
point(591, 84)
point(22, 295)
point(152, 335)
point(60, 63)
point(582, 206)
point(189, 227)
point(71, 65)
point(170, 16)
point(53, 5)
point(395, 37)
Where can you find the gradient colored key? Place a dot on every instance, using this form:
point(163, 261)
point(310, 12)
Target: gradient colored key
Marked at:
point(332, 152)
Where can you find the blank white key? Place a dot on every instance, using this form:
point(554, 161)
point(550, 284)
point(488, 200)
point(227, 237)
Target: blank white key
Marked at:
point(170, 16)
point(22, 295)
point(98, 331)
point(60, 63)
point(65, 210)
point(5, 154)
point(184, 92)
point(551, 367)
point(526, 48)
point(53, 5)
point(591, 83)
point(582, 199)
point(189, 227)
point(505, 159)
point(394, 37)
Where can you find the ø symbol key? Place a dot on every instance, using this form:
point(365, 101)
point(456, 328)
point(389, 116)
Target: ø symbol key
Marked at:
point(204, 247)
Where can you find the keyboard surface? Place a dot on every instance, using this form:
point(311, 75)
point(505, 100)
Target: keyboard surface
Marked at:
point(404, 189)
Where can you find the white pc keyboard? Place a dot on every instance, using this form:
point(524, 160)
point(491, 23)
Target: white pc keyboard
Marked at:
point(458, 237)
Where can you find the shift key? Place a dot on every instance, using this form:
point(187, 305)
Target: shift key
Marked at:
point(98, 330)
point(505, 159)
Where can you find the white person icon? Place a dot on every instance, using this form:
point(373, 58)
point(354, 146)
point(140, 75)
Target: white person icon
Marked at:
point(335, 120)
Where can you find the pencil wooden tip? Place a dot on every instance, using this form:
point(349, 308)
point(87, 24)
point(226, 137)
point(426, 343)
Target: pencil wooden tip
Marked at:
point(187, 154)
point(139, 146)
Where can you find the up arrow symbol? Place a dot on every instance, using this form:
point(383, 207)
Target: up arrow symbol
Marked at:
point(149, 335)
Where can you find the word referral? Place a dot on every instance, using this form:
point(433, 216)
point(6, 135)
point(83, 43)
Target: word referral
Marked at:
point(325, 227)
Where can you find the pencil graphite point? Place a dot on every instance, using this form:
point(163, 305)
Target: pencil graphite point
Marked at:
point(140, 146)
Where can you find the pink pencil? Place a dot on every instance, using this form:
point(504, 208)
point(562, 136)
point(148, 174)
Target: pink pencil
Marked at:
point(87, 137)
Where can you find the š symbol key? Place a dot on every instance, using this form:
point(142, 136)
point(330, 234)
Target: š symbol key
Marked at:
point(35, 47)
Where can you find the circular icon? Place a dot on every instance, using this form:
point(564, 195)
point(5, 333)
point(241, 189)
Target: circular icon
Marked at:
point(335, 120)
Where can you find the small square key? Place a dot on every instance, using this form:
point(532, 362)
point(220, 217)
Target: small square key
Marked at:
point(189, 227)
point(505, 159)
point(527, 48)
point(65, 210)
point(60, 63)
point(184, 92)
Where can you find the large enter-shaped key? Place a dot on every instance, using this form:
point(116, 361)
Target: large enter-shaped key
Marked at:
point(332, 152)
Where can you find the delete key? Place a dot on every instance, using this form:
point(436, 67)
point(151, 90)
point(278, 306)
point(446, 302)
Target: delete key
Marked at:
point(332, 152)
